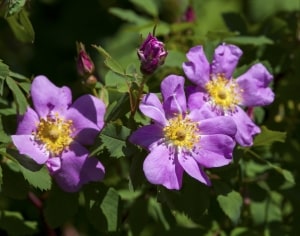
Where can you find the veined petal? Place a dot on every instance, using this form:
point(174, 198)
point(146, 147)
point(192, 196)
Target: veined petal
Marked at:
point(218, 125)
point(27, 146)
point(169, 86)
point(27, 122)
point(192, 168)
point(254, 84)
point(147, 135)
point(214, 150)
point(151, 106)
point(176, 103)
point(197, 69)
point(225, 60)
point(47, 97)
point(160, 167)
point(246, 128)
point(77, 169)
point(92, 108)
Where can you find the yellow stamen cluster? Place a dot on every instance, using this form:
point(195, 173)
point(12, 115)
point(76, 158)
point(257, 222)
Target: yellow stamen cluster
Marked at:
point(182, 132)
point(55, 133)
point(224, 93)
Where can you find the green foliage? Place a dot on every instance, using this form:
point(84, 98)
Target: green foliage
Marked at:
point(256, 194)
point(14, 223)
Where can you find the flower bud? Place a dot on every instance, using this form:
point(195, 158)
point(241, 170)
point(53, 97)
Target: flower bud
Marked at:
point(85, 65)
point(189, 15)
point(152, 54)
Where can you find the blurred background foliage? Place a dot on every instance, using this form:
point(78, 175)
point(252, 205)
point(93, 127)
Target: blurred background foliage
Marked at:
point(257, 195)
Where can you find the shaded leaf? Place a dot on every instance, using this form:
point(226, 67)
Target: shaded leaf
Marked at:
point(128, 15)
point(21, 26)
point(147, 6)
point(14, 224)
point(18, 94)
point(4, 73)
point(249, 40)
point(60, 207)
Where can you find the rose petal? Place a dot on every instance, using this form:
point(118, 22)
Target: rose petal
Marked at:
point(175, 104)
point(214, 150)
point(77, 169)
point(225, 59)
point(27, 146)
point(147, 135)
point(170, 84)
point(197, 69)
point(84, 130)
point(92, 108)
point(47, 97)
point(160, 167)
point(27, 122)
point(246, 128)
point(192, 168)
point(218, 125)
point(254, 84)
point(152, 107)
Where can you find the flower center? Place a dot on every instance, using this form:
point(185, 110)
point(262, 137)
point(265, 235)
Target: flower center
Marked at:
point(224, 93)
point(55, 133)
point(182, 132)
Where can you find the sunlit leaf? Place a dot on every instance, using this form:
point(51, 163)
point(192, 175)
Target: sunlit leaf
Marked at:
point(267, 137)
point(114, 139)
point(147, 6)
point(109, 207)
point(39, 179)
point(231, 204)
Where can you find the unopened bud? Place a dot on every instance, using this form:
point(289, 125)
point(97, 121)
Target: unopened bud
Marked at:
point(85, 65)
point(90, 81)
point(189, 15)
point(152, 54)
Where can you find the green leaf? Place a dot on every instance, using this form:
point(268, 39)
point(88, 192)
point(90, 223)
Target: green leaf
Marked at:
point(14, 224)
point(249, 40)
point(110, 62)
point(1, 181)
point(4, 73)
point(102, 205)
point(175, 58)
point(109, 207)
point(155, 210)
point(267, 137)
point(114, 139)
point(14, 184)
point(18, 94)
point(14, 6)
point(60, 207)
point(116, 81)
point(147, 6)
point(21, 26)
point(128, 15)
point(39, 179)
point(231, 204)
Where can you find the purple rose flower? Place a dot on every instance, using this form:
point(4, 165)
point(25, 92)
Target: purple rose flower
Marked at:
point(55, 133)
point(224, 94)
point(181, 140)
point(152, 54)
